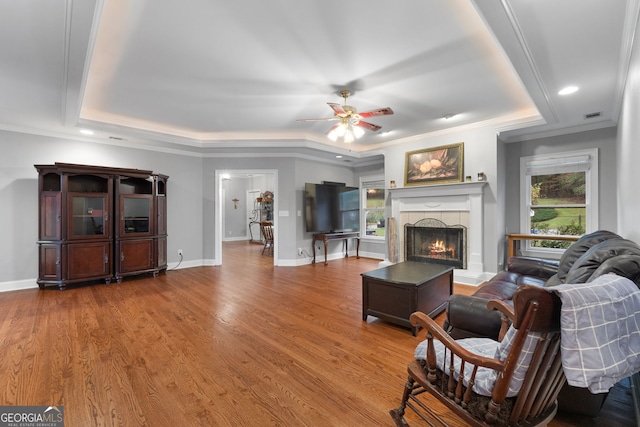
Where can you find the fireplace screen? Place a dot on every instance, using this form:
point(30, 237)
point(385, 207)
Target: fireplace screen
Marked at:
point(430, 240)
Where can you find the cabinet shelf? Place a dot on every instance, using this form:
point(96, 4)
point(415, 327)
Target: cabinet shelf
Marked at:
point(79, 206)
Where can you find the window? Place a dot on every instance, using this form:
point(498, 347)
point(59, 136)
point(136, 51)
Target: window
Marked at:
point(373, 207)
point(559, 195)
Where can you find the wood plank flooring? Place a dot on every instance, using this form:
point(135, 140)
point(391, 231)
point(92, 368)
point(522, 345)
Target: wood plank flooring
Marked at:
point(243, 344)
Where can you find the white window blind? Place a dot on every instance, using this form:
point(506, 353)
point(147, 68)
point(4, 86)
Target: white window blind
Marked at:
point(373, 184)
point(554, 165)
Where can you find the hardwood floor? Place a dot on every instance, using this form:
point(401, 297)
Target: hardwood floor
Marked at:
point(244, 344)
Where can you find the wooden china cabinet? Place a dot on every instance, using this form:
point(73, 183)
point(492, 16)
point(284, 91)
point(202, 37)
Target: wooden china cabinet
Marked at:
point(99, 223)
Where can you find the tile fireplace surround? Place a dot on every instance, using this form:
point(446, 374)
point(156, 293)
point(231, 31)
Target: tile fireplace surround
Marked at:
point(460, 203)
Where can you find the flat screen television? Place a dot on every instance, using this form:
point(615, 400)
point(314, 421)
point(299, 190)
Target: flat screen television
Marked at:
point(331, 208)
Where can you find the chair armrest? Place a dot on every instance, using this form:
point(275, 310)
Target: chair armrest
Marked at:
point(529, 266)
point(422, 320)
point(502, 307)
point(508, 315)
point(468, 316)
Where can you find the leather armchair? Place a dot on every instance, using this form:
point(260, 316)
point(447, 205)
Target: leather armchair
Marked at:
point(591, 256)
point(594, 254)
point(467, 315)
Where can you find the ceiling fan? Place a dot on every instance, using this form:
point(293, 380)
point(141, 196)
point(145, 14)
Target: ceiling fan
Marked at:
point(351, 125)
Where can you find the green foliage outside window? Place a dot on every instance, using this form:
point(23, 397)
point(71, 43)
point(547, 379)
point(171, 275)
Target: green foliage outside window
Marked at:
point(375, 212)
point(558, 205)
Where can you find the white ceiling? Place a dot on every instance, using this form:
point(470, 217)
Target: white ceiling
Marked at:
point(208, 76)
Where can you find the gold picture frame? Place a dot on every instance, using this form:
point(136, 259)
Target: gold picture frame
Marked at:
point(435, 165)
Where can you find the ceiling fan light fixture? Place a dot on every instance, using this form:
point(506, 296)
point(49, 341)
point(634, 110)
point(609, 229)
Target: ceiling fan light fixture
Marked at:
point(351, 126)
point(348, 137)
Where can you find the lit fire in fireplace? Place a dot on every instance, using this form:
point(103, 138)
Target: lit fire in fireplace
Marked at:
point(437, 249)
point(431, 240)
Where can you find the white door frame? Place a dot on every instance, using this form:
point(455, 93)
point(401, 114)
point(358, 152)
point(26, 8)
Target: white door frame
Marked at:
point(218, 220)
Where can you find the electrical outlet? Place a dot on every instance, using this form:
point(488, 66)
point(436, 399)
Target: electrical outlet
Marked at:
point(179, 252)
point(299, 251)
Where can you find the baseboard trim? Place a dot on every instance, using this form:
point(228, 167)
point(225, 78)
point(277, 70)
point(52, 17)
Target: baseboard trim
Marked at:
point(467, 277)
point(18, 285)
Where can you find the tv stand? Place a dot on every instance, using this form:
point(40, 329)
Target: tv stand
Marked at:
point(325, 237)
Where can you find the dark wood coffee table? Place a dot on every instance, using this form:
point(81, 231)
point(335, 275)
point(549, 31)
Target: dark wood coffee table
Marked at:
point(392, 293)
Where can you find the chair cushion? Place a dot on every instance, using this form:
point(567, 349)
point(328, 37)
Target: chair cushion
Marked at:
point(622, 265)
point(502, 286)
point(577, 249)
point(522, 365)
point(485, 377)
point(590, 261)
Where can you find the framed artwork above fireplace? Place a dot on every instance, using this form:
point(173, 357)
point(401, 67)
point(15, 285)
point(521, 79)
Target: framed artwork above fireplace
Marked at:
point(435, 165)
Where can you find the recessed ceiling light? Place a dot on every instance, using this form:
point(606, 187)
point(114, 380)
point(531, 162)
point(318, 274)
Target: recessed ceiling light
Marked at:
point(568, 90)
point(86, 132)
point(338, 156)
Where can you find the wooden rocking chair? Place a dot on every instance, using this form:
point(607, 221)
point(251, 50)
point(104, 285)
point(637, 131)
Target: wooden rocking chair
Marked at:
point(514, 382)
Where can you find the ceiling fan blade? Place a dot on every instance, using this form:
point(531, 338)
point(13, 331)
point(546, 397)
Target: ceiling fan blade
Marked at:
point(328, 119)
point(368, 125)
point(337, 108)
point(379, 112)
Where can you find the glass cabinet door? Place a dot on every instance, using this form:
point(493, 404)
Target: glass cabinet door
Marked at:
point(89, 216)
point(136, 215)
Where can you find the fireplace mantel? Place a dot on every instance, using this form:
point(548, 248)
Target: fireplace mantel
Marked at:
point(464, 197)
point(457, 189)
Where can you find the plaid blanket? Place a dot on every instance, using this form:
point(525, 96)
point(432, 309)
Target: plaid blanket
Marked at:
point(600, 323)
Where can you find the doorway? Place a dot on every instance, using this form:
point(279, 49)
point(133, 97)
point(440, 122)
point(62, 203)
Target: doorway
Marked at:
point(268, 178)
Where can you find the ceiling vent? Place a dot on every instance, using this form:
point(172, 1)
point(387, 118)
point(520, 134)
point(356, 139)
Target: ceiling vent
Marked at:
point(592, 115)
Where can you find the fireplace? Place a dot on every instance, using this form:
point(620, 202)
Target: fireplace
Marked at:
point(459, 203)
point(431, 240)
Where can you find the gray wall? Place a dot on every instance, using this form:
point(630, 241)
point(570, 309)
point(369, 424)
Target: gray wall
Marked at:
point(628, 144)
point(481, 149)
point(190, 204)
point(19, 195)
point(237, 216)
point(192, 193)
point(602, 139)
point(292, 172)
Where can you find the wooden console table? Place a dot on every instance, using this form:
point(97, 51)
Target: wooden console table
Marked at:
point(325, 237)
point(513, 240)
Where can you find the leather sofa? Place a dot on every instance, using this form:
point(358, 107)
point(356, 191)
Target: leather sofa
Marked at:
point(594, 254)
